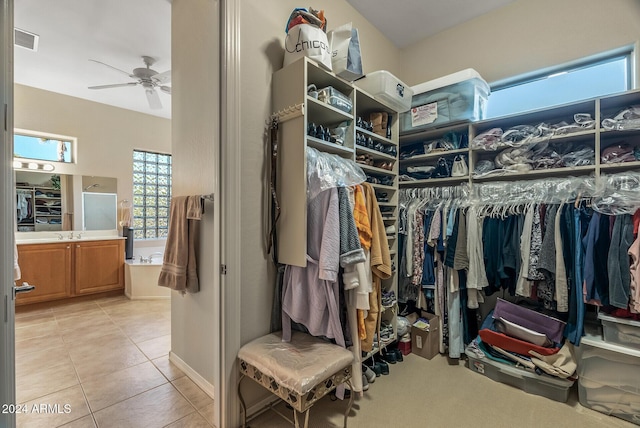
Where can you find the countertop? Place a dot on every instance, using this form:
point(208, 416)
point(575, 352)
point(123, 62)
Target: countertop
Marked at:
point(53, 237)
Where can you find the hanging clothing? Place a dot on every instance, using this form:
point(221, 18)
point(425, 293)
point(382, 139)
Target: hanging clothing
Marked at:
point(310, 294)
point(618, 262)
point(380, 265)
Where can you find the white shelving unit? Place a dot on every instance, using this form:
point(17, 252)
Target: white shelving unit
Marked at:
point(598, 139)
point(289, 88)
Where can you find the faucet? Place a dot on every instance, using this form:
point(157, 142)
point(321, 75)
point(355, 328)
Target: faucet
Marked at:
point(60, 237)
point(79, 235)
point(71, 235)
point(150, 258)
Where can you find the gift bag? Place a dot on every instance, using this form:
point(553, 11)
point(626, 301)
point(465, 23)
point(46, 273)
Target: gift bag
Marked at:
point(346, 58)
point(307, 40)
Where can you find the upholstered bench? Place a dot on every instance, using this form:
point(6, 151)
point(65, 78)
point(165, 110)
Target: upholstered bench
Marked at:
point(300, 372)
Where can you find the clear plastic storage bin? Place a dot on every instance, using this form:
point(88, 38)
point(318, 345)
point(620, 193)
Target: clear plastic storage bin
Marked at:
point(547, 386)
point(609, 378)
point(458, 97)
point(620, 331)
point(388, 89)
point(335, 98)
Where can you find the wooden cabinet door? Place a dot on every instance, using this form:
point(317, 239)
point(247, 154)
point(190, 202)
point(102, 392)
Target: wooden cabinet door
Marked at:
point(99, 266)
point(48, 267)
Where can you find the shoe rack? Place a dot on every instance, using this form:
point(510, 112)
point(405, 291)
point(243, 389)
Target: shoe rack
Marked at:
point(375, 153)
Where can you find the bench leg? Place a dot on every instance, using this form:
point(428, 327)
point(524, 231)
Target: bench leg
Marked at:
point(346, 413)
point(242, 404)
point(296, 422)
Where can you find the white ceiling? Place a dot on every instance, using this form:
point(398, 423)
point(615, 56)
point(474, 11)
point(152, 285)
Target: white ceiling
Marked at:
point(116, 32)
point(407, 21)
point(119, 32)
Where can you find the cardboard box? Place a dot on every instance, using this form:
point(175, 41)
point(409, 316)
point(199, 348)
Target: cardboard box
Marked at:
point(425, 337)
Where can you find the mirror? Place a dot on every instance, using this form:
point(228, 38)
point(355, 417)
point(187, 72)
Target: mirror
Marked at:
point(46, 201)
point(100, 211)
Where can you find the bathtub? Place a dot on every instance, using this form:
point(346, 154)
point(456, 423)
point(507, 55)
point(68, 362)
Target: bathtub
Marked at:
point(141, 280)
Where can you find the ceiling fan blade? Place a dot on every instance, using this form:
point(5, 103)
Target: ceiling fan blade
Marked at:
point(111, 66)
point(153, 98)
point(166, 89)
point(116, 85)
point(162, 77)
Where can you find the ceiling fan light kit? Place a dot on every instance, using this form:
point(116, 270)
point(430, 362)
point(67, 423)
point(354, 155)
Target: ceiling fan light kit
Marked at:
point(146, 77)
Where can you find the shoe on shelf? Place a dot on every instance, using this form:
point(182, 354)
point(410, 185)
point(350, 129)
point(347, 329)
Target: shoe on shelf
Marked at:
point(384, 367)
point(365, 383)
point(398, 354)
point(377, 369)
point(389, 357)
point(388, 300)
point(369, 373)
point(390, 230)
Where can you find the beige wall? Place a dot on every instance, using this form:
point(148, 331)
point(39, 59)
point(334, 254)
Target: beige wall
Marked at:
point(195, 131)
point(524, 36)
point(106, 135)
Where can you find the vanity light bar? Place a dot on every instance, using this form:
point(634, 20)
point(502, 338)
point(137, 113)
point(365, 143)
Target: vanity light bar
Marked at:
point(34, 166)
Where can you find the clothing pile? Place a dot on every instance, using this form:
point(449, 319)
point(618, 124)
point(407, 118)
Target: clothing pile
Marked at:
point(527, 135)
point(514, 334)
point(542, 155)
point(625, 120)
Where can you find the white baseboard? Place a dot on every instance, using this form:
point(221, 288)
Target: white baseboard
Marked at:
point(149, 297)
point(192, 374)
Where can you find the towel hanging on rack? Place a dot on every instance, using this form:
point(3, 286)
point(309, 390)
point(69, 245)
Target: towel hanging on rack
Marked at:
point(179, 265)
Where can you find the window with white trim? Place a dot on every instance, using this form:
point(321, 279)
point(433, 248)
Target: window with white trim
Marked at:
point(151, 194)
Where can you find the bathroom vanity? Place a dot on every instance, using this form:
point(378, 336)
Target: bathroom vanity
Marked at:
point(70, 267)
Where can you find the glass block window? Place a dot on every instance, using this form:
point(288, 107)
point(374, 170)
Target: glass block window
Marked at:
point(151, 194)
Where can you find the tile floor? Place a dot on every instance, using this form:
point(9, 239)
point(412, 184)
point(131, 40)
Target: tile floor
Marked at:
point(108, 360)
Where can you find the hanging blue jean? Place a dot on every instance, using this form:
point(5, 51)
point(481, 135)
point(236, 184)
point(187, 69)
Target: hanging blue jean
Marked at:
point(492, 240)
point(618, 261)
point(600, 256)
point(513, 226)
point(575, 325)
point(589, 244)
point(450, 252)
point(428, 272)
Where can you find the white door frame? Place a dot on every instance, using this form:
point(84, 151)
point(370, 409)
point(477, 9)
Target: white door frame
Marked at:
point(227, 404)
point(7, 202)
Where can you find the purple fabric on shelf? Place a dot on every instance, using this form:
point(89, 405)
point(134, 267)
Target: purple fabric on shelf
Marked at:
point(551, 327)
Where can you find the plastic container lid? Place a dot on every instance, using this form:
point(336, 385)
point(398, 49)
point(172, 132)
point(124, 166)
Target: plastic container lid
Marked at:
point(625, 321)
point(598, 342)
point(450, 79)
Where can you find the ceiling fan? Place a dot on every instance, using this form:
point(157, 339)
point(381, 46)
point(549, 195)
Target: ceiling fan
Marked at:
point(146, 77)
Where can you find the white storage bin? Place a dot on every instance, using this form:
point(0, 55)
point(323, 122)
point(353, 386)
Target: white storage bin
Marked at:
point(388, 89)
point(620, 331)
point(547, 386)
point(458, 97)
point(609, 378)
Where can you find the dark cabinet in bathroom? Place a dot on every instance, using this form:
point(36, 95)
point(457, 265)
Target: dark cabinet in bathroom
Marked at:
point(70, 269)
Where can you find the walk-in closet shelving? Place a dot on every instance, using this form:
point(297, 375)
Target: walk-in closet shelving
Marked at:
point(290, 88)
point(597, 138)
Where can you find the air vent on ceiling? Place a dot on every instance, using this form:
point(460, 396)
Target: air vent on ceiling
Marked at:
point(25, 39)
